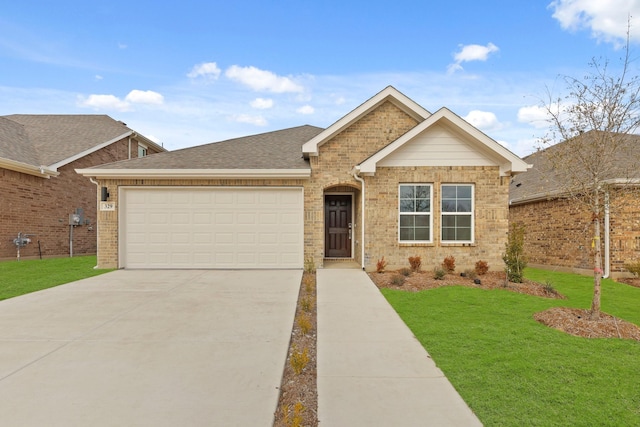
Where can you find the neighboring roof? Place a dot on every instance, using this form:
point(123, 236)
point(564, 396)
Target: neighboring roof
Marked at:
point(389, 93)
point(43, 143)
point(509, 162)
point(271, 154)
point(544, 180)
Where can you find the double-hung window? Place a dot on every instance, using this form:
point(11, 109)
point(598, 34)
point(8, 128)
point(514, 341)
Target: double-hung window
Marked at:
point(457, 213)
point(415, 213)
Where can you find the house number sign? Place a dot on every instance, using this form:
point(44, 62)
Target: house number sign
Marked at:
point(107, 206)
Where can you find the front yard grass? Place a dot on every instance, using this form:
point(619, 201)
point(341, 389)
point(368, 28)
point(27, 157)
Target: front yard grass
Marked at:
point(23, 277)
point(514, 371)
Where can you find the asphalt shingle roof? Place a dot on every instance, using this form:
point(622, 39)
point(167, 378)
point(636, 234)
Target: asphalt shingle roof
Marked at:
point(272, 150)
point(48, 139)
point(561, 166)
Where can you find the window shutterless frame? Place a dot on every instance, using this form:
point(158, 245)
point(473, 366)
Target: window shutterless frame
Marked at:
point(457, 206)
point(415, 213)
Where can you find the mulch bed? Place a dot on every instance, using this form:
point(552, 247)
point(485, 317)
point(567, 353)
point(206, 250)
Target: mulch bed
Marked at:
point(419, 281)
point(575, 321)
point(298, 401)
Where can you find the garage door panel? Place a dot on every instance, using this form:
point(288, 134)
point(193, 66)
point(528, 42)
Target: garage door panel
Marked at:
point(212, 228)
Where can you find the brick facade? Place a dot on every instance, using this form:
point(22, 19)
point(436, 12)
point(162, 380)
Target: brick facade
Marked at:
point(331, 172)
point(558, 234)
point(41, 207)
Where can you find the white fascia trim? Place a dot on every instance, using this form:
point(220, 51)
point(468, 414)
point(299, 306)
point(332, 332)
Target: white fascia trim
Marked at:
point(513, 163)
point(197, 173)
point(80, 155)
point(41, 171)
point(310, 148)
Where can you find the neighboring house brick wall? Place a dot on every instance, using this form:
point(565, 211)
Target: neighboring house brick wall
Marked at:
point(559, 233)
point(41, 207)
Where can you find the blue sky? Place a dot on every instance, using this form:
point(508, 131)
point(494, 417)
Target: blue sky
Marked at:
point(193, 72)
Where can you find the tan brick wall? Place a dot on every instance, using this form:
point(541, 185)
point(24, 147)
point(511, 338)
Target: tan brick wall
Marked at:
point(333, 167)
point(491, 217)
point(41, 206)
point(559, 234)
point(331, 172)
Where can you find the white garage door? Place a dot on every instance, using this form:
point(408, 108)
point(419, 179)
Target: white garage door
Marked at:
point(211, 227)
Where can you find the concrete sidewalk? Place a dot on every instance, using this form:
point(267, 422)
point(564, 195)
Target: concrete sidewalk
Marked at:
point(371, 369)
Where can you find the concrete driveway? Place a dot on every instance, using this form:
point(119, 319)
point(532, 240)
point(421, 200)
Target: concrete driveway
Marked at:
point(148, 348)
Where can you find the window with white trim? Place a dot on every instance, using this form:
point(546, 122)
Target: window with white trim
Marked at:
point(457, 213)
point(415, 222)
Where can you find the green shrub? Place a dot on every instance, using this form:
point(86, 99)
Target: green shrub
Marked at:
point(439, 273)
point(514, 257)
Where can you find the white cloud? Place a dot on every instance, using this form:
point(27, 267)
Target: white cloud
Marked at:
point(122, 46)
point(144, 97)
point(306, 109)
point(471, 52)
point(98, 77)
point(534, 115)
point(253, 120)
point(112, 102)
point(262, 103)
point(607, 20)
point(208, 70)
point(484, 120)
point(104, 102)
point(262, 80)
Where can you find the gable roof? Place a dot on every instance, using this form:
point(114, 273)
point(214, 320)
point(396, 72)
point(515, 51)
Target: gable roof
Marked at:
point(387, 94)
point(509, 162)
point(40, 144)
point(544, 181)
point(270, 154)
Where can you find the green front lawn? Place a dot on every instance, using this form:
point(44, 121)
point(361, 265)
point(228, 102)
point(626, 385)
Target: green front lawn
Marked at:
point(22, 277)
point(513, 371)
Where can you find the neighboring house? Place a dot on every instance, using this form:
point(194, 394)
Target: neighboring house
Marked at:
point(558, 228)
point(39, 188)
point(389, 180)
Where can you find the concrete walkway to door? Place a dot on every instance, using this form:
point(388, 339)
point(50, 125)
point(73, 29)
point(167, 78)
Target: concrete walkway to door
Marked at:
point(148, 348)
point(372, 371)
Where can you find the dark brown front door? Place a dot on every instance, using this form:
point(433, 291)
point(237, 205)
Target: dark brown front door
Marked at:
point(337, 226)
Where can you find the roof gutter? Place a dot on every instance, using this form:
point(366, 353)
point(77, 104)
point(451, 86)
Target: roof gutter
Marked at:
point(196, 173)
point(40, 171)
point(355, 172)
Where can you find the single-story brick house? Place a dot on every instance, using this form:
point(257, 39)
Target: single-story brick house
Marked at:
point(39, 188)
point(558, 228)
point(389, 179)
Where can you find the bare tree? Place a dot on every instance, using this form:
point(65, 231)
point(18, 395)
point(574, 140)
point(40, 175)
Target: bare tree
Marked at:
point(597, 159)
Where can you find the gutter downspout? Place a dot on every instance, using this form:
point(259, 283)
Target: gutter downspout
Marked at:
point(93, 181)
point(362, 198)
point(607, 244)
